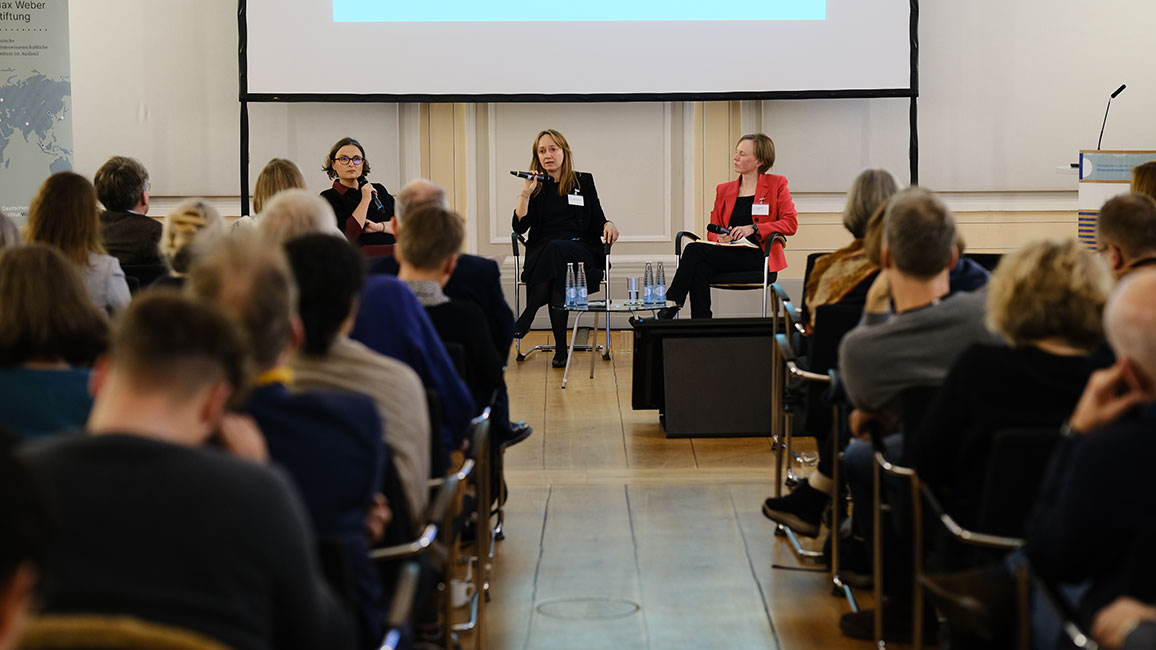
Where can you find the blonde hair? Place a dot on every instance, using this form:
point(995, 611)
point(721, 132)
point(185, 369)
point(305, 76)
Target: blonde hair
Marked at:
point(1144, 178)
point(277, 175)
point(1050, 288)
point(293, 213)
point(429, 236)
point(190, 226)
point(567, 178)
point(871, 189)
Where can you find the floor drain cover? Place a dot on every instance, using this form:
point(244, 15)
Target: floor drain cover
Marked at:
point(588, 609)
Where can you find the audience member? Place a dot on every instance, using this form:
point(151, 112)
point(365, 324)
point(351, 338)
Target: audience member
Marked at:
point(9, 233)
point(278, 174)
point(50, 334)
point(129, 234)
point(1126, 232)
point(330, 273)
point(1144, 179)
point(331, 443)
point(157, 524)
point(966, 275)
point(189, 229)
point(427, 247)
point(1045, 301)
point(845, 275)
point(25, 539)
point(293, 213)
point(64, 214)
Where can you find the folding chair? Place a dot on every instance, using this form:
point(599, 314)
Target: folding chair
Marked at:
point(519, 286)
point(740, 280)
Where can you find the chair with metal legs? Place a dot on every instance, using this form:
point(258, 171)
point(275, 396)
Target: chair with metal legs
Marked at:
point(518, 242)
point(740, 280)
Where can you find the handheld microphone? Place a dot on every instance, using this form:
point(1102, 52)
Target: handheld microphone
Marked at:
point(1105, 122)
point(534, 176)
point(717, 229)
point(376, 201)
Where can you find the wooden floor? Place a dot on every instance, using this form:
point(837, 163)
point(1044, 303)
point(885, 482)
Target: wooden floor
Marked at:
point(619, 538)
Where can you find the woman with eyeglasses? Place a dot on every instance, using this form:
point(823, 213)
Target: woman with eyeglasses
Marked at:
point(364, 210)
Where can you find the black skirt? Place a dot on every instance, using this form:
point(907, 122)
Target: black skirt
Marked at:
point(547, 263)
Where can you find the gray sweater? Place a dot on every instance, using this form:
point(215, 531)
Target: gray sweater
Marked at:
point(886, 354)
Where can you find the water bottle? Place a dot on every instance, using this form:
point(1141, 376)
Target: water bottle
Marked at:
point(581, 285)
point(648, 285)
point(660, 287)
point(571, 289)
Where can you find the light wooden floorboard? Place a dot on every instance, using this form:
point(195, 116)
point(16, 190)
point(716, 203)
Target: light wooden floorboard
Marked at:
point(603, 506)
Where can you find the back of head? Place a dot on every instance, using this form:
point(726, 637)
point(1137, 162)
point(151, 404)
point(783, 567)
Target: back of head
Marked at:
point(252, 283)
point(429, 236)
point(120, 182)
point(1128, 222)
point(279, 174)
point(46, 314)
point(293, 213)
point(1144, 179)
point(919, 233)
point(330, 273)
point(1130, 322)
point(871, 189)
point(189, 227)
point(64, 213)
point(417, 193)
point(171, 343)
point(1049, 289)
point(9, 233)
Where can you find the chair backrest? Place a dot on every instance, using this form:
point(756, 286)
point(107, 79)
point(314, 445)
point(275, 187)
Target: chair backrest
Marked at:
point(811, 259)
point(1015, 468)
point(107, 632)
point(439, 457)
point(987, 260)
point(832, 322)
point(145, 274)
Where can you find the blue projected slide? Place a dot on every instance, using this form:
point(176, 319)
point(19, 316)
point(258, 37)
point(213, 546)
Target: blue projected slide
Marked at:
point(359, 11)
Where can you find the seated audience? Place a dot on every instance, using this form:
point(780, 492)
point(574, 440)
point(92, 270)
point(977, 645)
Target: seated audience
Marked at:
point(278, 174)
point(331, 443)
point(64, 214)
point(50, 334)
point(1126, 233)
point(129, 235)
point(427, 247)
point(25, 539)
point(164, 515)
point(1045, 301)
point(1144, 179)
point(330, 273)
point(9, 233)
point(189, 228)
point(390, 320)
point(845, 275)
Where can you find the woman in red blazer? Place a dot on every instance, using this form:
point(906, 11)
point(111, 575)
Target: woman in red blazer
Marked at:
point(753, 207)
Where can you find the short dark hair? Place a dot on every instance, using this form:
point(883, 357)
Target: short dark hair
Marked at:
point(120, 182)
point(27, 525)
point(175, 343)
point(46, 314)
point(328, 166)
point(330, 274)
point(1129, 222)
point(919, 232)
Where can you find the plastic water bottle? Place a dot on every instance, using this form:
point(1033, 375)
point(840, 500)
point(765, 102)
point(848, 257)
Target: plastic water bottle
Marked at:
point(660, 287)
point(648, 285)
point(581, 285)
point(571, 289)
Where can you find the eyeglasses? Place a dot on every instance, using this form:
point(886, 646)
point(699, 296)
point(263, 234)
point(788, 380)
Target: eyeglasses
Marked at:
point(346, 160)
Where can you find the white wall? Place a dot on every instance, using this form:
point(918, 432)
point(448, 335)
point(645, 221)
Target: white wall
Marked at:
point(1010, 91)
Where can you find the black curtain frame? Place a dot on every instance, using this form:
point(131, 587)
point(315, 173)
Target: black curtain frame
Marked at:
point(246, 97)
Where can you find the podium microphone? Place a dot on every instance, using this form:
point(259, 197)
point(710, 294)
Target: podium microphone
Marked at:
point(534, 176)
point(717, 229)
point(1118, 91)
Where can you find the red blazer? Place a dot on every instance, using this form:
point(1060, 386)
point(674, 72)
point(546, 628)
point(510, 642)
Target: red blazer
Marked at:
point(771, 190)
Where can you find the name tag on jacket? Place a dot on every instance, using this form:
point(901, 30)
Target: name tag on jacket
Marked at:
point(760, 209)
point(576, 199)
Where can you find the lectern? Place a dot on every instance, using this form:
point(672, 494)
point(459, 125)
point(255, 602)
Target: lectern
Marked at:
point(1103, 175)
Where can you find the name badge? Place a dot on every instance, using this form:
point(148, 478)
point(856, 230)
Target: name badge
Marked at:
point(576, 199)
point(761, 209)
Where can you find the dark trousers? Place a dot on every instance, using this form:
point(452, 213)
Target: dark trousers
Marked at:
point(698, 266)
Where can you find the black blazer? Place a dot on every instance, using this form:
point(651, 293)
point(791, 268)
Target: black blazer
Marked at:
point(550, 216)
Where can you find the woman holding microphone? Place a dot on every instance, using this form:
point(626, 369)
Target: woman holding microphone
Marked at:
point(753, 207)
point(364, 210)
point(566, 224)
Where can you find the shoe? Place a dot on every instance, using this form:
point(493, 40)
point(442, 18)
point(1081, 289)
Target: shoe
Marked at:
point(973, 602)
point(801, 510)
point(896, 623)
point(559, 361)
point(855, 568)
point(521, 332)
point(519, 431)
point(667, 313)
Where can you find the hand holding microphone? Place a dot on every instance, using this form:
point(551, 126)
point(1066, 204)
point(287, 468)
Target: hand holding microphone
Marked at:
point(366, 185)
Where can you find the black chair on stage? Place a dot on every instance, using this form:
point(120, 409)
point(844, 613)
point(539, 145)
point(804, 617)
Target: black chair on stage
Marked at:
point(740, 280)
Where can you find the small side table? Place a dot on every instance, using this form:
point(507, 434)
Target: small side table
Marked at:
point(598, 308)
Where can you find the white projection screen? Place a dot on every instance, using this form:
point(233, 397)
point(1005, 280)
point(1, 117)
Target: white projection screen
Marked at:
point(495, 50)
